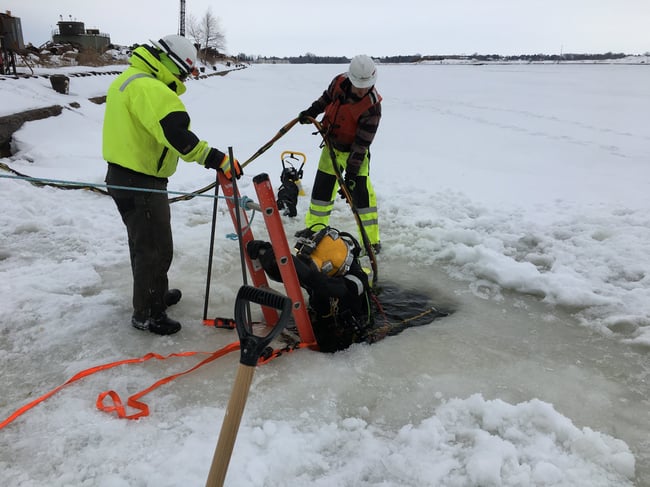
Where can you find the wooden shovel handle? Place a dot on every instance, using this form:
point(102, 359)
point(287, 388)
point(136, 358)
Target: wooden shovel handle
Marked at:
point(230, 426)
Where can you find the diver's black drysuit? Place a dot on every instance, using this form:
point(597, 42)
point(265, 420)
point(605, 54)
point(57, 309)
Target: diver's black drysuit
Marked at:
point(339, 306)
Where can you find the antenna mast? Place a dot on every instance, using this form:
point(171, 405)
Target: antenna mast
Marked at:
point(181, 28)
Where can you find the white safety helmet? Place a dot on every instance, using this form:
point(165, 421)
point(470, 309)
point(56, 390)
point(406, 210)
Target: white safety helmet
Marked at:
point(362, 71)
point(181, 52)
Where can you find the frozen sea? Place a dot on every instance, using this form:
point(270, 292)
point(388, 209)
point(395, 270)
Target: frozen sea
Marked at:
point(516, 195)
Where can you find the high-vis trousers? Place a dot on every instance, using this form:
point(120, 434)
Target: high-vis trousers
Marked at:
point(325, 191)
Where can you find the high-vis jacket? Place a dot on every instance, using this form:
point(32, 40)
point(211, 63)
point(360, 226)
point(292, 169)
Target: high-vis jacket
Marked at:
point(146, 126)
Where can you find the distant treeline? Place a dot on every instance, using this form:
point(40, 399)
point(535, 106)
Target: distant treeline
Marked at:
point(313, 59)
point(539, 57)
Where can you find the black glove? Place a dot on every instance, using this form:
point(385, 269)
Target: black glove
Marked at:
point(256, 247)
point(214, 158)
point(220, 161)
point(350, 182)
point(303, 117)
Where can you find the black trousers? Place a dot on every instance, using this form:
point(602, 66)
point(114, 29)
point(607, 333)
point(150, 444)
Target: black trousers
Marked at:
point(148, 225)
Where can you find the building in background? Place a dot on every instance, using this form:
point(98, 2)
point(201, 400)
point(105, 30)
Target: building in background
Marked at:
point(11, 41)
point(75, 33)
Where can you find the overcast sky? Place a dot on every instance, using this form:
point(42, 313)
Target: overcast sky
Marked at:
point(377, 27)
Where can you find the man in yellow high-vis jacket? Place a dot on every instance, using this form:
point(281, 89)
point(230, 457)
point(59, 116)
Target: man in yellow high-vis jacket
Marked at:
point(146, 129)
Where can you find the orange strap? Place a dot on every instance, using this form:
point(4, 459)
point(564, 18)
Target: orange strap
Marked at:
point(226, 323)
point(133, 401)
point(267, 357)
point(93, 370)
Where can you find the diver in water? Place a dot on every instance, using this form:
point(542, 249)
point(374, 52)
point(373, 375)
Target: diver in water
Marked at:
point(328, 268)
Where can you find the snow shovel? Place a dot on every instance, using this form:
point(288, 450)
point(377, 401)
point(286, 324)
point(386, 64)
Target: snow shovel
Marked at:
point(252, 347)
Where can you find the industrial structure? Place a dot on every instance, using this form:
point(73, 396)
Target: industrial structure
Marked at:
point(75, 33)
point(181, 27)
point(11, 41)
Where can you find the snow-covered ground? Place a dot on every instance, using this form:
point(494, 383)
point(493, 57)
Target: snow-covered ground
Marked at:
point(517, 195)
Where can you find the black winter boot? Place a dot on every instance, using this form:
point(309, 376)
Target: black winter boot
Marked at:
point(162, 325)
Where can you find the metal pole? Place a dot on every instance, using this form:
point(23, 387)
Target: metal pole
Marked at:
point(240, 238)
point(212, 232)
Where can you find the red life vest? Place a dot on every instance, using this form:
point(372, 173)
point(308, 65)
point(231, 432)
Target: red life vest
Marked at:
point(341, 119)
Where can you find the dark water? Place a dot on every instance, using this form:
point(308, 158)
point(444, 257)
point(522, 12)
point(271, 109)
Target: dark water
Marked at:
point(398, 307)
